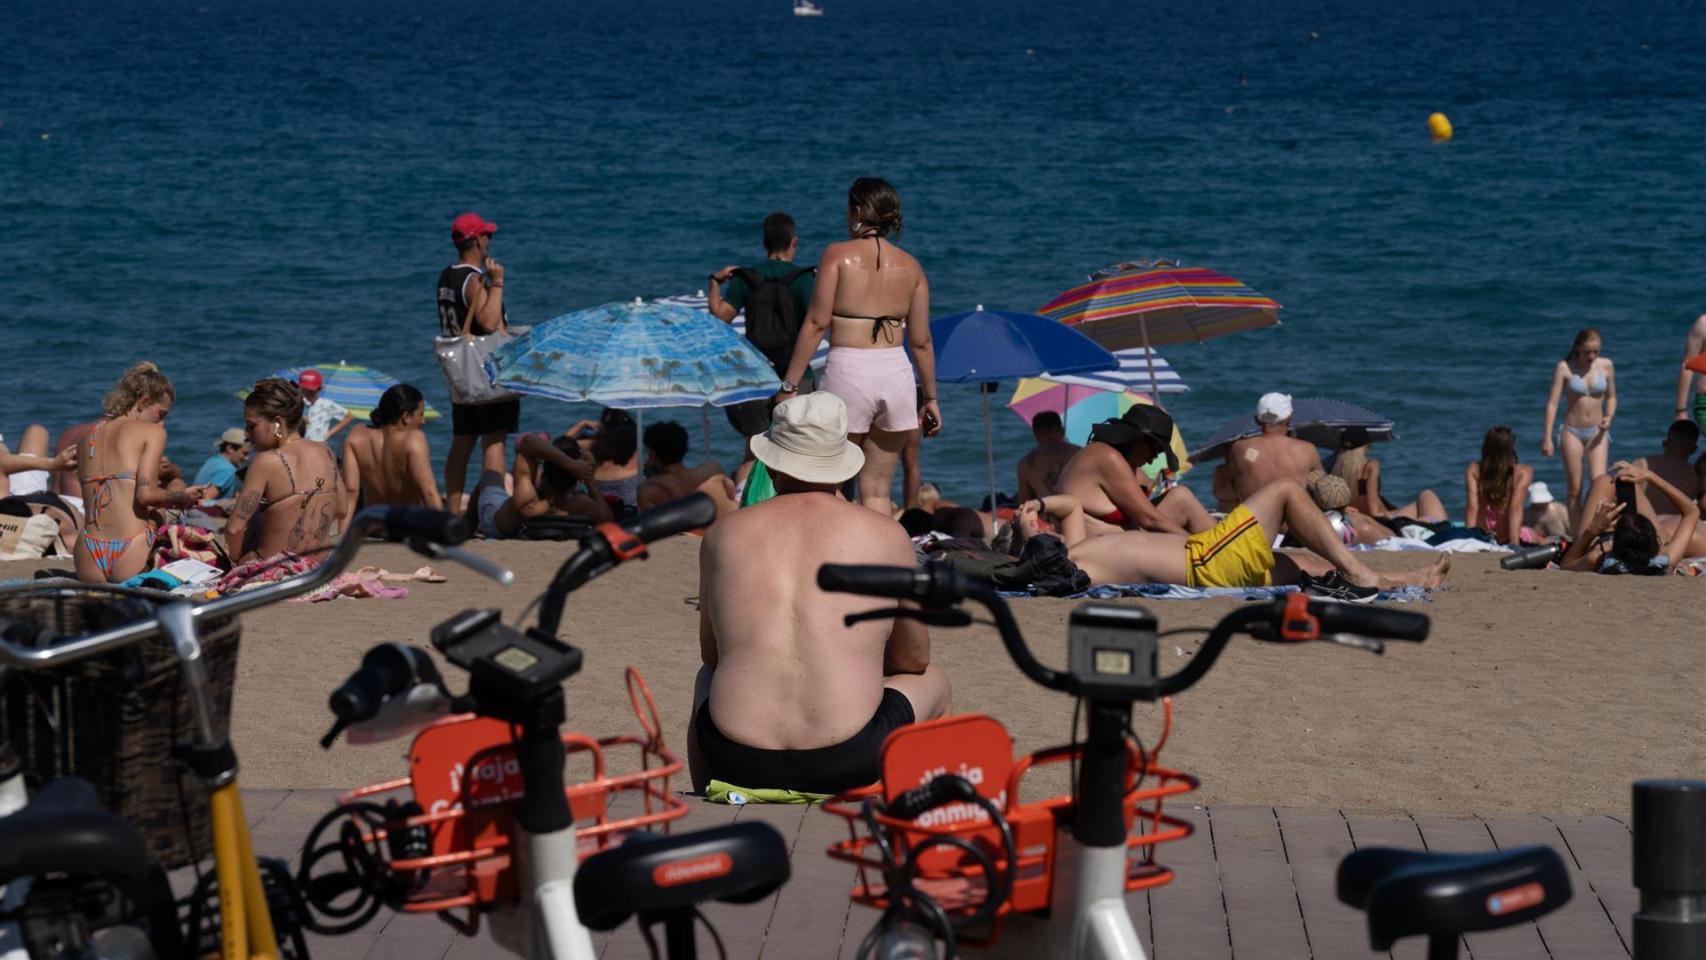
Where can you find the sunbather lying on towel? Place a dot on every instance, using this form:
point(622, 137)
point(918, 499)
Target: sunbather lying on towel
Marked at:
point(1236, 552)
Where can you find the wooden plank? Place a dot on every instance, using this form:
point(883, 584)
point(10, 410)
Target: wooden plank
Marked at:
point(812, 911)
point(1188, 916)
point(1580, 929)
point(1467, 835)
point(1387, 830)
point(1315, 842)
point(1601, 848)
point(1262, 914)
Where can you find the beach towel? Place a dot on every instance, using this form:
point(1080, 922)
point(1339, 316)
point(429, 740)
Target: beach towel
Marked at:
point(719, 792)
point(758, 487)
point(1455, 545)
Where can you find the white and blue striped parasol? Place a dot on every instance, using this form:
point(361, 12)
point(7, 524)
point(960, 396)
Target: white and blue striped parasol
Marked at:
point(636, 355)
point(1133, 374)
point(697, 301)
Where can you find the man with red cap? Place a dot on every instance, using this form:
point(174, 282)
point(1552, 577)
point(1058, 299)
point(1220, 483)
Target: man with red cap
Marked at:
point(471, 303)
point(322, 416)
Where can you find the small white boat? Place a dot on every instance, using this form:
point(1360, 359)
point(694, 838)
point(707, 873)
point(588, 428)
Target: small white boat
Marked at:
point(806, 8)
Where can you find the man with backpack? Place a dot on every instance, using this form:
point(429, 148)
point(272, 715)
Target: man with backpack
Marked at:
point(775, 295)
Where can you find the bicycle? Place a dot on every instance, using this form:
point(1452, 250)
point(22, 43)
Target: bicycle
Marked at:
point(964, 860)
point(61, 849)
point(503, 845)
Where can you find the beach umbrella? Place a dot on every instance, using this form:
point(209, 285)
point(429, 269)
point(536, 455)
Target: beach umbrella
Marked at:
point(356, 389)
point(1156, 303)
point(635, 356)
point(984, 346)
point(1318, 421)
point(1081, 408)
point(698, 301)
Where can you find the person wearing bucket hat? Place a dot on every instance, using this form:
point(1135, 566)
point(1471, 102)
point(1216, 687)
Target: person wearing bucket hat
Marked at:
point(790, 697)
point(1545, 514)
point(1106, 479)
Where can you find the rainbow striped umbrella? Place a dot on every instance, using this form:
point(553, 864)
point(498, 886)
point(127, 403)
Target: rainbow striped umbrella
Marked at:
point(356, 389)
point(1157, 303)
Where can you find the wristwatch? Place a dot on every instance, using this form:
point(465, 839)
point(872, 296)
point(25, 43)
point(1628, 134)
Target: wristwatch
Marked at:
point(788, 386)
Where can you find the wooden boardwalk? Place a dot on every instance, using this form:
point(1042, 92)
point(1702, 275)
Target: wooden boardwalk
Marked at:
point(1253, 882)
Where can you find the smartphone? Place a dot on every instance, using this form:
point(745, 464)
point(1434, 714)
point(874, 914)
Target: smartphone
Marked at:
point(929, 422)
point(1626, 494)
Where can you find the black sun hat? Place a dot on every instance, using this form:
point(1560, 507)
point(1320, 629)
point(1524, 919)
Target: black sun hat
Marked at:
point(1143, 420)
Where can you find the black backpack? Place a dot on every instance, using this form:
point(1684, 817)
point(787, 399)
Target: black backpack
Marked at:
point(772, 319)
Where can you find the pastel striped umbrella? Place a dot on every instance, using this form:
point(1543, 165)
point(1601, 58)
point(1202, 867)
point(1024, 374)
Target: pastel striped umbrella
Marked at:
point(355, 388)
point(697, 301)
point(1081, 408)
point(1133, 374)
point(1157, 303)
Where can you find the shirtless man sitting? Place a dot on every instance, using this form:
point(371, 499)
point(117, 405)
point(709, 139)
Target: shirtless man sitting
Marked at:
point(550, 478)
point(1255, 462)
point(1676, 469)
point(1235, 553)
point(669, 478)
point(789, 697)
point(1107, 479)
point(1039, 470)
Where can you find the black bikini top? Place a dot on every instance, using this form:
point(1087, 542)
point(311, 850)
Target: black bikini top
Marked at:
point(877, 323)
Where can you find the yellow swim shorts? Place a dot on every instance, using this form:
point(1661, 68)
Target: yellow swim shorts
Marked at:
point(1235, 553)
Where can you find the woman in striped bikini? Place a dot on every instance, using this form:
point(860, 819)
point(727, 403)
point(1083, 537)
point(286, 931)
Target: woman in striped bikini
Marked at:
point(119, 467)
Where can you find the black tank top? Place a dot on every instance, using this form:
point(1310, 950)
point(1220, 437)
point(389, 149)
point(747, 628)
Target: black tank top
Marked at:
point(452, 302)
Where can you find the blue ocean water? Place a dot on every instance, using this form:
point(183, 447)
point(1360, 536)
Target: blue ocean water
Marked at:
point(231, 188)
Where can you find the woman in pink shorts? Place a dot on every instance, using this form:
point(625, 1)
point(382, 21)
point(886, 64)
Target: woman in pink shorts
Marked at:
point(871, 293)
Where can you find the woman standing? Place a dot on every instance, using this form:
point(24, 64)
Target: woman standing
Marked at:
point(1589, 387)
point(292, 498)
point(1497, 487)
point(869, 295)
point(119, 470)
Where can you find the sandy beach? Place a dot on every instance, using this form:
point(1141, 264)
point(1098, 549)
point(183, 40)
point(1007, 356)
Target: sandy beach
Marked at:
point(1537, 691)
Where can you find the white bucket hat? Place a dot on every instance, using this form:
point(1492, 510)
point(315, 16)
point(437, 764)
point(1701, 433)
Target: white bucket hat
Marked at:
point(1538, 494)
point(807, 440)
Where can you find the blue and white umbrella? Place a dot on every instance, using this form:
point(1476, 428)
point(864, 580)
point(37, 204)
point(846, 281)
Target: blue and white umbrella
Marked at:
point(1133, 374)
point(636, 355)
point(698, 301)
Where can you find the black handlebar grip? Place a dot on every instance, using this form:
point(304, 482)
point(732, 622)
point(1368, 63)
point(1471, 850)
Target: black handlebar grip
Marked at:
point(385, 671)
point(669, 519)
point(947, 788)
point(898, 583)
point(1377, 622)
point(435, 526)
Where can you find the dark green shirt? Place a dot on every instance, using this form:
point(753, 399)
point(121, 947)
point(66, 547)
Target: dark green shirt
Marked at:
point(736, 292)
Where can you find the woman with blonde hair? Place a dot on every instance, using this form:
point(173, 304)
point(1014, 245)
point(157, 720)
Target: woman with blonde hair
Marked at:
point(869, 295)
point(1497, 488)
point(119, 471)
point(1588, 384)
point(1361, 473)
point(291, 499)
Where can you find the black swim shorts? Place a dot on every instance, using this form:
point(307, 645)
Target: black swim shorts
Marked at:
point(853, 762)
point(477, 419)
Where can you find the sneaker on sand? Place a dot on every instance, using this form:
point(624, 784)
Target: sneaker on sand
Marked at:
point(1334, 586)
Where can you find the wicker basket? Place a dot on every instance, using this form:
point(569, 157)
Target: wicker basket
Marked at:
point(113, 719)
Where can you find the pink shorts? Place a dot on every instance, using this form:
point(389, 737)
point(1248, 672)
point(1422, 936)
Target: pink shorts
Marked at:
point(876, 385)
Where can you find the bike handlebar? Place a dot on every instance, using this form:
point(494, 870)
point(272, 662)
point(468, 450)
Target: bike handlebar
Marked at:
point(397, 523)
point(938, 584)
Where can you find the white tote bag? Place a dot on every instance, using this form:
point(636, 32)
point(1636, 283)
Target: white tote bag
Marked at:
point(467, 366)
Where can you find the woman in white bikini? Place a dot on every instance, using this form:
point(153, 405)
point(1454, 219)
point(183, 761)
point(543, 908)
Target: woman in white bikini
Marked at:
point(1588, 384)
point(871, 293)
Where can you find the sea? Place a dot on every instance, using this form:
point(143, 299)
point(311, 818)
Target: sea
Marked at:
point(231, 188)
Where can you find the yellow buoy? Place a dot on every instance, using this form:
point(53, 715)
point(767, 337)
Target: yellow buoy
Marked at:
point(1440, 126)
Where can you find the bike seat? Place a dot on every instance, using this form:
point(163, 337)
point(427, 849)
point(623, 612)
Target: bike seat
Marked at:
point(1412, 893)
point(737, 863)
point(64, 830)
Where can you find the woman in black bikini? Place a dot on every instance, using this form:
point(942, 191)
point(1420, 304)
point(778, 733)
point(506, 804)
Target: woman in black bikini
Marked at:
point(869, 294)
point(292, 497)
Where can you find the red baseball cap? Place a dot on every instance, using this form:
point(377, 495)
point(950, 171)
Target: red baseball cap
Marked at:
point(310, 380)
point(470, 225)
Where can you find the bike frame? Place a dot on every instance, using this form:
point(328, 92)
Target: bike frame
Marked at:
point(246, 929)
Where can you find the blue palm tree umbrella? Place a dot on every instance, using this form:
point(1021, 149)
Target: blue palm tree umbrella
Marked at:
point(636, 355)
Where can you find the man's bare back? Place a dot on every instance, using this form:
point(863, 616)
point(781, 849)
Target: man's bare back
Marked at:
point(1039, 470)
point(788, 673)
point(1258, 461)
point(1680, 473)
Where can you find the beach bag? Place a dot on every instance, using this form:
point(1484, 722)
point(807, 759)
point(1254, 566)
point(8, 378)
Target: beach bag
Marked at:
point(554, 527)
point(467, 366)
point(28, 538)
point(772, 318)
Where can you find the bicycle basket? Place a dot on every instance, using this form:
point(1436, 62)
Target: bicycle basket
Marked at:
point(113, 719)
